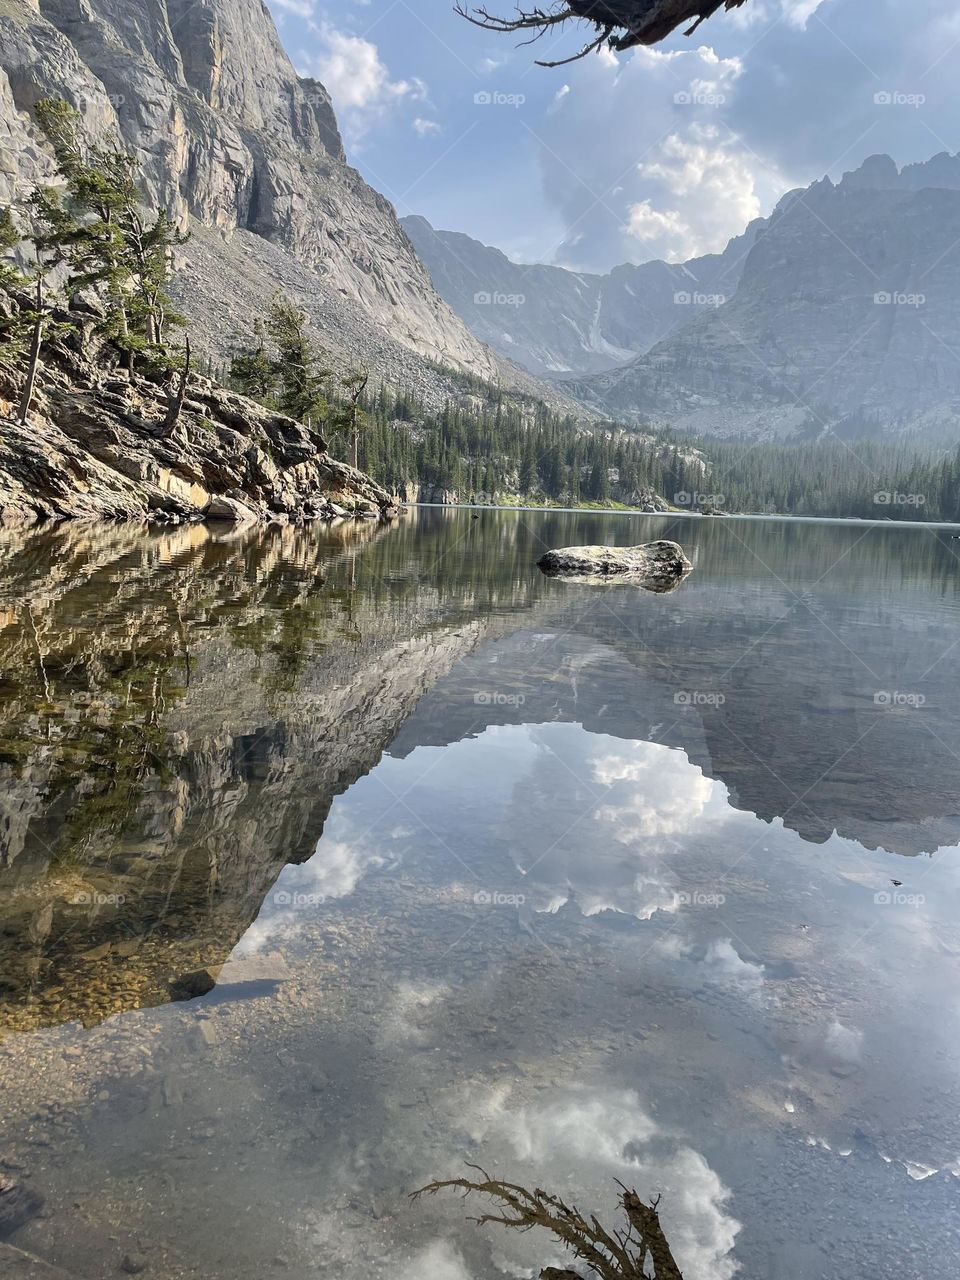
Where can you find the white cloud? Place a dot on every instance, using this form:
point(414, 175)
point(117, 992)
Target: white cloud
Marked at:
point(426, 127)
point(681, 185)
point(301, 8)
point(796, 13)
point(650, 226)
point(358, 80)
point(730, 967)
point(617, 853)
point(558, 97)
point(705, 173)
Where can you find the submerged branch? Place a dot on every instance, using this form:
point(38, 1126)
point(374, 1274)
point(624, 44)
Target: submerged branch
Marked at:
point(617, 1255)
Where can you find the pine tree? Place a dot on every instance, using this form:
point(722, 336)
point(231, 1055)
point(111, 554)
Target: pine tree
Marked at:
point(253, 370)
point(302, 374)
point(96, 226)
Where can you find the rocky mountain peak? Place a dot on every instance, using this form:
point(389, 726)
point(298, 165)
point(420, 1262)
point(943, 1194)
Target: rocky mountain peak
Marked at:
point(879, 171)
point(844, 319)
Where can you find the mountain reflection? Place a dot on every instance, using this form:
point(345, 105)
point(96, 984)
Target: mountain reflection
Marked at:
point(178, 713)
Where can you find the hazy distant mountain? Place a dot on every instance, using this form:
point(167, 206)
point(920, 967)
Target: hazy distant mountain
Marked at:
point(847, 317)
point(555, 321)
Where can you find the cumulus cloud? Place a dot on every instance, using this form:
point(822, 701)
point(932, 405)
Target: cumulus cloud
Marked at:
point(701, 172)
point(720, 963)
point(426, 128)
point(604, 831)
point(357, 78)
point(682, 184)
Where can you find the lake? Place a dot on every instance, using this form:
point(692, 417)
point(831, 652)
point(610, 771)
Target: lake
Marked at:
point(332, 859)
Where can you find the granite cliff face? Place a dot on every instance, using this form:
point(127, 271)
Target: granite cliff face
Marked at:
point(554, 321)
point(846, 318)
point(246, 153)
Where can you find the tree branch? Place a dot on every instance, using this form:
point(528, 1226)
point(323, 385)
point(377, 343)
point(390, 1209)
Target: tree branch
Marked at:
point(644, 22)
point(620, 1256)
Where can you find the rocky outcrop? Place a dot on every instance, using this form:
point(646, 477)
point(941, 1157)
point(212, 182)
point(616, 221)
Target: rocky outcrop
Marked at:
point(97, 447)
point(845, 319)
point(247, 154)
point(555, 321)
point(661, 562)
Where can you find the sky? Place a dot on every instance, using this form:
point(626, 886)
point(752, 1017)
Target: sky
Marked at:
point(654, 153)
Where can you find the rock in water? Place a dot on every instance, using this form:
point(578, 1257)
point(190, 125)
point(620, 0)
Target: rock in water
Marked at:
point(18, 1204)
point(658, 566)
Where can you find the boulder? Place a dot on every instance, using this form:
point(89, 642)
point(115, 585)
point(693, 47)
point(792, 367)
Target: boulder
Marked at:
point(223, 508)
point(652, 562)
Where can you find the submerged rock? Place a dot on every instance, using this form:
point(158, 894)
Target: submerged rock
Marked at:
point(18, 1204)
point(657, 565)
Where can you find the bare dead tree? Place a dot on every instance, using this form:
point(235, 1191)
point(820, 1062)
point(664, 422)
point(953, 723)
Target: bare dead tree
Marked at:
point(356, 385)
point(611, 1255)
point(175, 407)
point(620, 24)
point(33, 360)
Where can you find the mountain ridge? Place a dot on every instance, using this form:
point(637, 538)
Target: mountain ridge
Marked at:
point(606, 319)
point(844, 320)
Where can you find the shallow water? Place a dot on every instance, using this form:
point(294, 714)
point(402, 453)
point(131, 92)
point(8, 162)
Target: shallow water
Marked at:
point(577, 883)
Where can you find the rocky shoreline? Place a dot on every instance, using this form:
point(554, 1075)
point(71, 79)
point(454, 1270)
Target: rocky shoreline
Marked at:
point(96, 447)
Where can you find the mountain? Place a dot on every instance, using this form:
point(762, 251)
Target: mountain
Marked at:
point(847, 319)
point(248, 155)
point(555, 321)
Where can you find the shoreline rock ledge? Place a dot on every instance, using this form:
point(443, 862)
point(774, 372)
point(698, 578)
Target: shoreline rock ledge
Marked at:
point(663, 563)
point(97, 447)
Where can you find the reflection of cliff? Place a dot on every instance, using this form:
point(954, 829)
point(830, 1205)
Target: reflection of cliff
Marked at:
point(178, 713)
point(802, 732)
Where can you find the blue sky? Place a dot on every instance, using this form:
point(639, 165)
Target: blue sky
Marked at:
point(656, 153)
